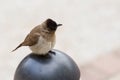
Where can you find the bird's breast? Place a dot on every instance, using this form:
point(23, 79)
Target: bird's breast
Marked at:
point(42, 46)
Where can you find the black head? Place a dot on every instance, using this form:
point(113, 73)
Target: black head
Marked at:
point(52, 25)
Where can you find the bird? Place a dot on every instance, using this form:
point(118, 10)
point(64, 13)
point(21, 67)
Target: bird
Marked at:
point(41, 38)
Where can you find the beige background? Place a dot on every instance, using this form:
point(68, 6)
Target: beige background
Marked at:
point(90, 28)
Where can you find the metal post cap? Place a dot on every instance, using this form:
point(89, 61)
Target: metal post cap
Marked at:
point(58, 66)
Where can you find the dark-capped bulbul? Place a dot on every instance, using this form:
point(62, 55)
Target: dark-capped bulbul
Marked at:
point(41, 39)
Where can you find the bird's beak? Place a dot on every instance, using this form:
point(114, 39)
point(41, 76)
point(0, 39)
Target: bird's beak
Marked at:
point(59, 25)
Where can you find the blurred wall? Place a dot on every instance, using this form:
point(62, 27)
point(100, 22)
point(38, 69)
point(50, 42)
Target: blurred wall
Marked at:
point(90, 28)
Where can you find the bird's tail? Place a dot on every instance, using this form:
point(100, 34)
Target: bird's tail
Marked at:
point(17, 47)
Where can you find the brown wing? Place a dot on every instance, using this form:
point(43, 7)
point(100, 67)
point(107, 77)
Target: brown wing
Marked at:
point(31, 39)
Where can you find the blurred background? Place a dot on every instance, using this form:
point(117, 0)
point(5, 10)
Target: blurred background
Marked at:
point(90, 33)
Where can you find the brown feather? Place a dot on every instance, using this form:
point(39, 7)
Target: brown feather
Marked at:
point(30, 40)
point(17, 47)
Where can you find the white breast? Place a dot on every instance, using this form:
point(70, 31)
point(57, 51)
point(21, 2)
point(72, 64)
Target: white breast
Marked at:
point(42, 47)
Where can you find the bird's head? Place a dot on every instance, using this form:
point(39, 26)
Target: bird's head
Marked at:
point(52, 25)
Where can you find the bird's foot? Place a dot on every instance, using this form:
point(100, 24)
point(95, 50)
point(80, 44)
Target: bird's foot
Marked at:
point(52, 52)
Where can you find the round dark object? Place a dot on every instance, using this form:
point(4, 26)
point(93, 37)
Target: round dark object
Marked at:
point(55, 65)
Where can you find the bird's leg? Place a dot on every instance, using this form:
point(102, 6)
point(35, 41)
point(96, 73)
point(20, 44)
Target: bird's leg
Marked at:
point(52, 52)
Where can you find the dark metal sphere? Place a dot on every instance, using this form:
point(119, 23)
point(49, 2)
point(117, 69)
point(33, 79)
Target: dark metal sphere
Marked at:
point(58, 66)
